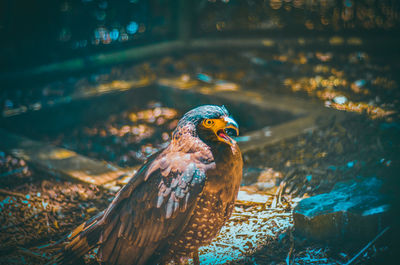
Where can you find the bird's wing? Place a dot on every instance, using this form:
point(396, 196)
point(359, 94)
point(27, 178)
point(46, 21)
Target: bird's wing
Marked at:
point(145, 215)
point(153, 207)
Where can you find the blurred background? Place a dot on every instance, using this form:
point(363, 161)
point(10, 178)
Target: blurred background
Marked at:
point(35, 33)
point(90, 88)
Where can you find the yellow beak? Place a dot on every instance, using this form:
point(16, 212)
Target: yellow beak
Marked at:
point(223, 126)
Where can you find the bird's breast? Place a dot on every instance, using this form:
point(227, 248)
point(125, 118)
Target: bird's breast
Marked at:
point(214, 205)
point(209, 216)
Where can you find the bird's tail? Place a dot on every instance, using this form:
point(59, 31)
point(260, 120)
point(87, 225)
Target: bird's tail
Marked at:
point(79, 242)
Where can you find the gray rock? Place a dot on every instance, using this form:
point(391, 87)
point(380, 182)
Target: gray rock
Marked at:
point(352, 211)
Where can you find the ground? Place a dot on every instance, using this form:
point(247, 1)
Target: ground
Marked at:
point(37, 209)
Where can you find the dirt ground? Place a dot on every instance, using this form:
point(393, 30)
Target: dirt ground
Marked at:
point(36, 209)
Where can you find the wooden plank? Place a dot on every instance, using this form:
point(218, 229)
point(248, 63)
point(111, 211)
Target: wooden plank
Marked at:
point(309, 115)
point(100, 59)
point(59, 161)
point(187, 44)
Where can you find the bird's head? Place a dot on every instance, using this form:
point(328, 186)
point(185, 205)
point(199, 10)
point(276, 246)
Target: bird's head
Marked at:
point(211, 123)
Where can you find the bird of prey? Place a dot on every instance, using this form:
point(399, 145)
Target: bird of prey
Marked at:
point(176, 202)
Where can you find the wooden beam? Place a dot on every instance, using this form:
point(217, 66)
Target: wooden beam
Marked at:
point(59, 161)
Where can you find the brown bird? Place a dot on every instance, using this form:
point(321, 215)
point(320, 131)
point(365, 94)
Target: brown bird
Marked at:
point(177, 201)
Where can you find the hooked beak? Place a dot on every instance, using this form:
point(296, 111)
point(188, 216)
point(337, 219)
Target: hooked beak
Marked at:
point(226, 127)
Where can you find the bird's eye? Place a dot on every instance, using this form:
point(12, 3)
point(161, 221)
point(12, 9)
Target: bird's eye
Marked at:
point(208, 123)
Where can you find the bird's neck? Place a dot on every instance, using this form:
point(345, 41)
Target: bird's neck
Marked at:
point(187, 142)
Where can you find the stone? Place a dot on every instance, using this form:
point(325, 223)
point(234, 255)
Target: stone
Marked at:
point(261, 179)
point(354, 211)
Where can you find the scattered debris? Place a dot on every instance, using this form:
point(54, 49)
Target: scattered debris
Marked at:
point(368, 245)
point(125, 139)
point(251, 226)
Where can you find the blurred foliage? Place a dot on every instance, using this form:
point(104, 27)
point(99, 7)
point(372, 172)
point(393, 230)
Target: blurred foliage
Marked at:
point(34, 33)
point(293, 16)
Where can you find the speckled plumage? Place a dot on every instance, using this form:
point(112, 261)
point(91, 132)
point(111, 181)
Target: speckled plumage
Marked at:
point(176, 202)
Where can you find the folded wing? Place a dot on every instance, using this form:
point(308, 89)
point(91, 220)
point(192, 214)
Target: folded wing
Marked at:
point(150, 210)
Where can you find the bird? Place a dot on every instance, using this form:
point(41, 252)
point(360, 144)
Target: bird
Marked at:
point(177, 201)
